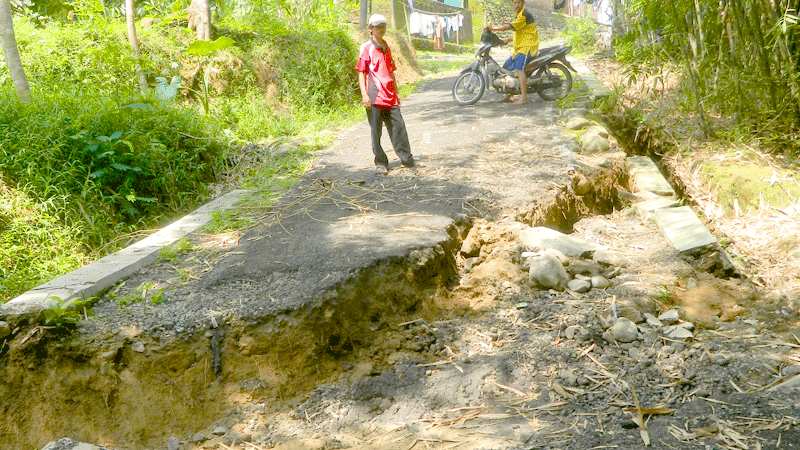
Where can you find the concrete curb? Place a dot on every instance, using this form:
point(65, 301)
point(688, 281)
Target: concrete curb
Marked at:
point(596, 87)
point(100, 275)
point(679, 224)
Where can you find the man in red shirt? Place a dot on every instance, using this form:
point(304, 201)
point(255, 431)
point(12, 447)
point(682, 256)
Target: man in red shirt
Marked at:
point(379, 95)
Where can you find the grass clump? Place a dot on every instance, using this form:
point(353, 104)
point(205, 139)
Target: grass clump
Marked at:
point(748, 186)
point(581, 34)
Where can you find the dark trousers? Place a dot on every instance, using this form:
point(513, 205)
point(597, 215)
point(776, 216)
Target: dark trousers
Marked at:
point(393, 120)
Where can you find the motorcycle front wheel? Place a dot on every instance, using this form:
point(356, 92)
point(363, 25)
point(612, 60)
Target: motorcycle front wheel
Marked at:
point(469, 88)
point(555, 82)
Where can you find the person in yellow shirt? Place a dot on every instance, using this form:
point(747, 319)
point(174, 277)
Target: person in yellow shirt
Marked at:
point(526, 45)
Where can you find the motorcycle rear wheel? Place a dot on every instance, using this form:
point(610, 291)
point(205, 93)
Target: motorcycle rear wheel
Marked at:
point(556, 82)
point(468, 88)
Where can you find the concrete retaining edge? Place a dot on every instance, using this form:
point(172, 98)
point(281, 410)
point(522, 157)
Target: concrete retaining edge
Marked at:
point(102, 274)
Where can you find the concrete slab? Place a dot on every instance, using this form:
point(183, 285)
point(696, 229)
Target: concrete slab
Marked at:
point(646, 208)
point(647, 177)
point(683, 229)
point(94, 278)
point(596, 87)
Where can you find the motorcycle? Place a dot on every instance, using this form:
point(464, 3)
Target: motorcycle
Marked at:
point(548, 74)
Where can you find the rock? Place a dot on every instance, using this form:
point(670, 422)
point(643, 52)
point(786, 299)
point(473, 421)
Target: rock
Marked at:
point(542, 238)
point(198, 437)
point(219, 430)
point(612, 272)
point(5, 329)
point(631, 313)
point(579, 286)
point(624, 330)
point(591, 142)
point(574, 331)
point(472, 243)
point(233, 438)
point(635, 353)
point(610, 258)
point(688, 325)
point(578, 123)
point(677, 332)
point(598, 130)
point(173, 443)
point(568, 377)
point(669, 317)
point(789, 371)
point(470, 263)
point(599, 282)
point(652, 320)
point(137, 346)
point(521, 305)
point(579, 276)
point(553, 252)
point(547, 271)
point(69, 444)
point(580, 266)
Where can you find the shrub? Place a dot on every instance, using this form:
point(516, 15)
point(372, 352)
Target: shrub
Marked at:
point(103, 164)
point(581, 34)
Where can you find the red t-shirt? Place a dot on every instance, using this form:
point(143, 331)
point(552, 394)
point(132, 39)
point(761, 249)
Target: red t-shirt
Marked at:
point(376, 62)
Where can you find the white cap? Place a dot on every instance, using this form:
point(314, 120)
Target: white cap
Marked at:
point(377, 19)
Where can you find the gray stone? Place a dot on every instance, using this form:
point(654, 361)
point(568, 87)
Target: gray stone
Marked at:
point(677, 332)
point(233, 438)
point(683, 229)
point(137, 346)
point(542, 238)
point(593, 143)
point(198, 437)
point(669, 317)
point(610, 258)
point(624, 330)
point(789, 371)
point(580, 286)
point(647, 178)
point(579, 276)
point(599, 282)
point(688, 325)
point(598, 130)
point(578, 123)
point(553, 252)
point(173, 443)
point(568, 377)
point(573, 331)
point(5, 329)
point(69, 444)
point(219, 430)
point(547, 272)
point(652, 320)
point(584, 267)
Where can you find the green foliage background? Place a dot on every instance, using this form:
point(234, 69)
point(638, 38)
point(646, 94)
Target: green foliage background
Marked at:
point(92, 160)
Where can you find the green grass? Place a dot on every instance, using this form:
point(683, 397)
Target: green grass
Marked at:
point(171, 253)
point(92, 161)
point(748, 184)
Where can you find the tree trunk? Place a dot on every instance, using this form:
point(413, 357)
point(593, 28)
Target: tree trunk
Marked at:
point(9, 42)
point(200, 19)
point(130, 16)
